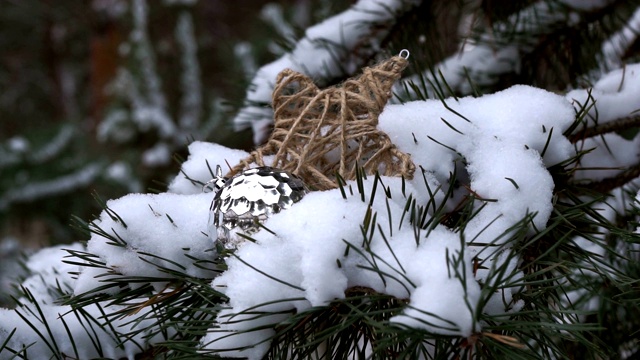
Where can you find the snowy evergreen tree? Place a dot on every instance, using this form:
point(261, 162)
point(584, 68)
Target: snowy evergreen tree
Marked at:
point(515, 237)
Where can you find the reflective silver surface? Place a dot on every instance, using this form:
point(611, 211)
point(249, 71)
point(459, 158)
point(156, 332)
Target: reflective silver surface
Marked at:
point(249, 198)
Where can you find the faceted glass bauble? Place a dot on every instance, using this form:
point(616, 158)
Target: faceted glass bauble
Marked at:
point(249, 198)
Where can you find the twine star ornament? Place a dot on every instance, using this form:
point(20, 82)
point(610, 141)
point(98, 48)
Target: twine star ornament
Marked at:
point(319, 133)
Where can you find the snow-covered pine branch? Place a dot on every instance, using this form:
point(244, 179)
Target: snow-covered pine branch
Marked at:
point(146, 102)
point(493, 50)
point(507, 140)
point(32, 191)
point(516, 238)
point(614, 97)
point(18, 149)
point(619, 43)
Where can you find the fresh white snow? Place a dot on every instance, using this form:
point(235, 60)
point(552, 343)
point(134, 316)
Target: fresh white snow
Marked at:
point(494, 143)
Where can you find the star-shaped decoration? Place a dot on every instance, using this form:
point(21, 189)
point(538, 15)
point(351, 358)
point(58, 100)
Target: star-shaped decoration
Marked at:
point(320, 133)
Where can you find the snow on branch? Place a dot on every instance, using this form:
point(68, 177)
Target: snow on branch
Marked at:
point(18, 149)
point(191, 100)
point(507, 139)
point(140, 85)
point(54, 146)
point(41, 327)
point(336, 47)
point(481, 61)
point(149, 103)
point(61, 185)
point(612, 104)
point(618, 44)
point(381, 233)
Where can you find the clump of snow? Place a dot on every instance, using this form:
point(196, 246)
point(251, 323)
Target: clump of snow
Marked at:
point(499, 147)
point(307, 266)
point(201, 165)
point(150, 228)
point(18, 144)
point(74, 333)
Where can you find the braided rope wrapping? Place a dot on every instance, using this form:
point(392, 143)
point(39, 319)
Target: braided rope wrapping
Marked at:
point(318, 133)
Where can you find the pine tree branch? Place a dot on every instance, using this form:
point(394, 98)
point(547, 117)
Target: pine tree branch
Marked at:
point(612, 126)
point(367, 291)
point(608, 184)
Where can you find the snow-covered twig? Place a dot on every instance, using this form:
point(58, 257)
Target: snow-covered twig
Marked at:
point(148, 108)
point(55, 146)
point(614, 48)
point(612, 104)
point(64, 184)
point(497, 51)
point(243, 52)
point(147, 99)
point(191, 100)
point(48, 151)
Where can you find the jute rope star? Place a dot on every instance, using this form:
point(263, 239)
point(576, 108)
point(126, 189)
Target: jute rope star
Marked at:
point(318, 133)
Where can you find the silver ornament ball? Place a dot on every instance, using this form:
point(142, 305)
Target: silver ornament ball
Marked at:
point(246, 200)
